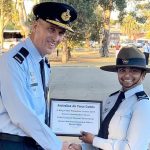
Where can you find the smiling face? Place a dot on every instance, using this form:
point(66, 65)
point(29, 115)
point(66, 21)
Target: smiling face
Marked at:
point(46, 36)
point(130, 77)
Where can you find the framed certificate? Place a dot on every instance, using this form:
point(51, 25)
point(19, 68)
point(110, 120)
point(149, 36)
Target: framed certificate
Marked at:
point(68, 116)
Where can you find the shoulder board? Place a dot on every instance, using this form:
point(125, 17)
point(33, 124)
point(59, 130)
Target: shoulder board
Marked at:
point(19, 58)
point(23, 53)
point(141, 95)
point(114, 93)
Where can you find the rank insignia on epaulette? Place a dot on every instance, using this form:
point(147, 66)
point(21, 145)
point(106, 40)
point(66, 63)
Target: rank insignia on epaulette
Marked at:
point(141, 95)
point(19, 58)
point(23, 53)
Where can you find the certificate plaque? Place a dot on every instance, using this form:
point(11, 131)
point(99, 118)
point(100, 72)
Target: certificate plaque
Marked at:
point(68, 116)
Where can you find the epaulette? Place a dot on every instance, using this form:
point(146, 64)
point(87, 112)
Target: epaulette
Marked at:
point(46, 61)
point(114, 93)
point(141, 95)
point(23, 53)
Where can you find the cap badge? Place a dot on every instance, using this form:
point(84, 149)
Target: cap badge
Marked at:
point(125, 61)
point(66, 15)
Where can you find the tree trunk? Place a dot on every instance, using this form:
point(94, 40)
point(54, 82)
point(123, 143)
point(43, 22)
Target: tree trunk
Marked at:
point(64, 51)
point(87, 40)
point(106, 26)
point(1, 31)
point(1, 26)
point(22, 17)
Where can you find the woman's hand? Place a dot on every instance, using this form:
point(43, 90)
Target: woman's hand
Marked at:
point(86, 137)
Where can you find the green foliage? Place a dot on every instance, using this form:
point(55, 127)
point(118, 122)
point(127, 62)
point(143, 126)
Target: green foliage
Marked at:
point(120, 5)
point(5, 15)
point(111, 4)
point(6, 7)
point(105, 4)
point(9, 14)
point(130, 27)
point(144, 10)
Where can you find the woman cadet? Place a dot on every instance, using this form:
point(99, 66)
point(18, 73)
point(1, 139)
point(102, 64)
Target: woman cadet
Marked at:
point(126, 113)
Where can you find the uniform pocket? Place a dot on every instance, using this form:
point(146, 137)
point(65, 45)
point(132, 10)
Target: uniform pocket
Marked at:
point(34, 89)
point(34, 85)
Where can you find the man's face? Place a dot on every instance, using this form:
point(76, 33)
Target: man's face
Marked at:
point(130, 77)
point(46, 36)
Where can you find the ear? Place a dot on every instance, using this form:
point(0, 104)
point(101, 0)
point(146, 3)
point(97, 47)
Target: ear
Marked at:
point(34, 25)
point(143, 75)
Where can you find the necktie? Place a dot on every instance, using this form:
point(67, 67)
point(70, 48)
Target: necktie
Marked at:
point(103, 133)
point(44, 89)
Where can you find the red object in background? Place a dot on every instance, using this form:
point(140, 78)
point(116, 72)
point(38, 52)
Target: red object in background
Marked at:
point(117, 46)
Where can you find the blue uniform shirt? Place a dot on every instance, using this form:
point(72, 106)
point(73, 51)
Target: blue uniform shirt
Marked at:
point(22, 102)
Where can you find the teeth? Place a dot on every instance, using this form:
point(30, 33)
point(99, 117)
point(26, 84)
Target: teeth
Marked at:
point(52, 44)
point(128, 80)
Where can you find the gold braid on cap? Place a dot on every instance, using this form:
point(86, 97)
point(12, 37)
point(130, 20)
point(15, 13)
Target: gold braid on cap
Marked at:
point(60, 24)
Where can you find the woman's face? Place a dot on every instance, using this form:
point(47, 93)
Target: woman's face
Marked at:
point(130, 77)
point(46, 36)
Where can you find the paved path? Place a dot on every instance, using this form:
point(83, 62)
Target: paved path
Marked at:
point(85, 83)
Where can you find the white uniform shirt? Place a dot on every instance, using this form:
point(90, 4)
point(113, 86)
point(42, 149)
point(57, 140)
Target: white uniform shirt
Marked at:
point(146, 48)
point(22, 102)
point(129, 128)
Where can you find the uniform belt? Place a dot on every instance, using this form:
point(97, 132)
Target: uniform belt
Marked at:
point(16, 138)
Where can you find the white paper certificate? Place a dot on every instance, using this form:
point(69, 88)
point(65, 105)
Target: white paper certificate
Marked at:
point(69, 117)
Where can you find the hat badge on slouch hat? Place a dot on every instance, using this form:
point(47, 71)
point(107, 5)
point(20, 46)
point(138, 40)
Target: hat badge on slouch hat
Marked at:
point(128, 56)
point(59, 14)
point(125, 61)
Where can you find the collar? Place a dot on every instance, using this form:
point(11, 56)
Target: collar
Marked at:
point(33, 50)
point(134, 90)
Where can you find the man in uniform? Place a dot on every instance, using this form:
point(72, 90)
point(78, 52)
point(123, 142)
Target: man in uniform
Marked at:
point(24, 80)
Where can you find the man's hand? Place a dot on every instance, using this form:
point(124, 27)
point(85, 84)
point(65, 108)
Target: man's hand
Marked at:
point(65, 146)
point(75, 146)
point(86, 137)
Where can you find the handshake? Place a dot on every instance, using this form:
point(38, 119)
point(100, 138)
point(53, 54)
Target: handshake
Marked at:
point(85, 137)
point(71, 146)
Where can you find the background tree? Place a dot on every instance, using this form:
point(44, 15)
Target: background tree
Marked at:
point(23, 19)
point(143, 16)
point(130, 27)
point(108, 6)
point(6, 9)
point(12, 13)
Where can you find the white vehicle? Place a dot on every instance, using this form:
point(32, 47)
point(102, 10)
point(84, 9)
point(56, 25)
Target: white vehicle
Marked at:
point(140, 42)
point(11, 38)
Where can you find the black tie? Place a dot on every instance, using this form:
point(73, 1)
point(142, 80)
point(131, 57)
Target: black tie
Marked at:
point(44, 89)
point(103, 133)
